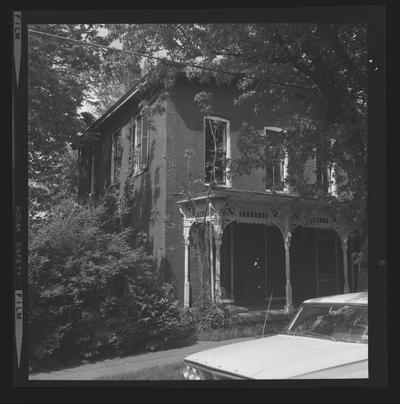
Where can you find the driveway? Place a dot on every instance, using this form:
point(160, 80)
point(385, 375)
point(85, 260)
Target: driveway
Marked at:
point(129, 364)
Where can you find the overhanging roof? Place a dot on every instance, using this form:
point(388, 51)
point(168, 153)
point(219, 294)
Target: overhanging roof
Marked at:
point(249, 196)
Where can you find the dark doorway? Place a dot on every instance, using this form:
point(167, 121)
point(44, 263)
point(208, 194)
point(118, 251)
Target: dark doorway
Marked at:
point(315, 263)
point(327, 263)
point(276, 276)
point(250, 264)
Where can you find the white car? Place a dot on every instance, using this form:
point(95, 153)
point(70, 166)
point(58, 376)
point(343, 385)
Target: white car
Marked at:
point(327, 339)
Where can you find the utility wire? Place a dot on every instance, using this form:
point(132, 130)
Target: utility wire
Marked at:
point(172, 62)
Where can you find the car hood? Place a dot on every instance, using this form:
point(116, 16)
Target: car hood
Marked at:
point(287, 356)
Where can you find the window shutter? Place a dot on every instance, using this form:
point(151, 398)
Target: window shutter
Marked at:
point(144, 143)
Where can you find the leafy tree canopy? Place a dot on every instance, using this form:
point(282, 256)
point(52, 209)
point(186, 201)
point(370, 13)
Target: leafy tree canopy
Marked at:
point(62, 79)
point(320, 66)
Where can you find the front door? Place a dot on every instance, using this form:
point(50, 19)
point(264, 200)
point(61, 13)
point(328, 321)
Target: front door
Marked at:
point(250, 264)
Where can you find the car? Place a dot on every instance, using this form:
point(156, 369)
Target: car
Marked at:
point(326, 339)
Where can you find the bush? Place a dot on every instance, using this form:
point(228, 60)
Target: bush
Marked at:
point(91, 295)
point(207, 315)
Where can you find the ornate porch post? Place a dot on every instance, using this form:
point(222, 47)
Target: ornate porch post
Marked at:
point(344, 239)
point(186, 290)
point(289, 298)
point(218, 242)
point(283, 218)
point(216, 212)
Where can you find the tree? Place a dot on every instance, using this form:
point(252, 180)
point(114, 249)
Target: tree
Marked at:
point(61, 79)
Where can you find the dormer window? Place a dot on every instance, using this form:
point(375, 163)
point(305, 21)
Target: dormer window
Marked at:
point(217, 150)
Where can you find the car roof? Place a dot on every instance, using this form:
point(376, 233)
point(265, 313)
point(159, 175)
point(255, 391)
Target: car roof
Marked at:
point(347, 298)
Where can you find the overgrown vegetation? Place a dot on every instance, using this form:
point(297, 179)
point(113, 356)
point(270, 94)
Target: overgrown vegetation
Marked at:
point(91, 294)
point(207, 315)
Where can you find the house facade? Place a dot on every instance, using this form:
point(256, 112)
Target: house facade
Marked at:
point(267, 240)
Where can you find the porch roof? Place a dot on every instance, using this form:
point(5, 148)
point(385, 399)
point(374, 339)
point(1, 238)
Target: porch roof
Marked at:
point(251, 196)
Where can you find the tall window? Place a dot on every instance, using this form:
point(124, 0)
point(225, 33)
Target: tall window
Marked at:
point(274, 168)
point(116, 157)
point(275, 161)
point(322, 166)
point(217, 150)
point(141, 143)
point(323, 175)
point(92, 155)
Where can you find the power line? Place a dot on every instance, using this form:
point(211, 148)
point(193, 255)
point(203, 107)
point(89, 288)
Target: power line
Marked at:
point(167, 61)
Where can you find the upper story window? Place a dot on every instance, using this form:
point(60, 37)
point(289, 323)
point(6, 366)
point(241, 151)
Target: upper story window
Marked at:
point(325, 177)
point(276, 162)
point(323, 168)
point(116, 157)
point(274, 168)
point(217, 150)
point(92, 156)
point(140, 144)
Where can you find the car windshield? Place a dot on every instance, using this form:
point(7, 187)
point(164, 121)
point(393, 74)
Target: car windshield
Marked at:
point(336, 322)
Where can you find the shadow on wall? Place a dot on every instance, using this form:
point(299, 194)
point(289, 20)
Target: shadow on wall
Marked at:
point(166, 273)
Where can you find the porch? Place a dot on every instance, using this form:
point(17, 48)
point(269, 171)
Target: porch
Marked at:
point(261, 244)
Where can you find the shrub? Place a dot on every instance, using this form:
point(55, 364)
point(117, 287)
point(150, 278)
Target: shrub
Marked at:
point(91, 295)
point(207, 315)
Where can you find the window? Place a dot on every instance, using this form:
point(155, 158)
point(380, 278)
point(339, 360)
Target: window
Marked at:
point(116, 157)
point(323, 173)
point(140, 143)
point(275, 162)
point(217, 150)
point(92, 154)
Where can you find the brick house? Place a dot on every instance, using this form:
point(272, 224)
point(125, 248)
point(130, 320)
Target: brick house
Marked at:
point(267, 239)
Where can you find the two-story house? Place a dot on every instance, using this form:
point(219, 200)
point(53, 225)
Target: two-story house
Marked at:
point(267, 240)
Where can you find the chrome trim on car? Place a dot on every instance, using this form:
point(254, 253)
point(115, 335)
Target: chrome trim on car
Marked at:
point(213, 374)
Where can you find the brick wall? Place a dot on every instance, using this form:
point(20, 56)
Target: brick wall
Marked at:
point(148, 213)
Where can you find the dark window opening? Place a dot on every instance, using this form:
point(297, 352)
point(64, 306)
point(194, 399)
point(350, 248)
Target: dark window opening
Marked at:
point(141, 143)
point(274, 168)
point(322, 175)
point(116, 156)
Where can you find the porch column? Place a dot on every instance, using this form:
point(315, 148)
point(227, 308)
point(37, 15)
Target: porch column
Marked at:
point(218, 242)
point(344, 239)
point(212, 263)
point(289, 300)
point(232, 258)
point(186, 290)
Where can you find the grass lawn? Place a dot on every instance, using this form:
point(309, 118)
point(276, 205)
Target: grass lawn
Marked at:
point(242, 330)
point(165, 372)
point(174, 371)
